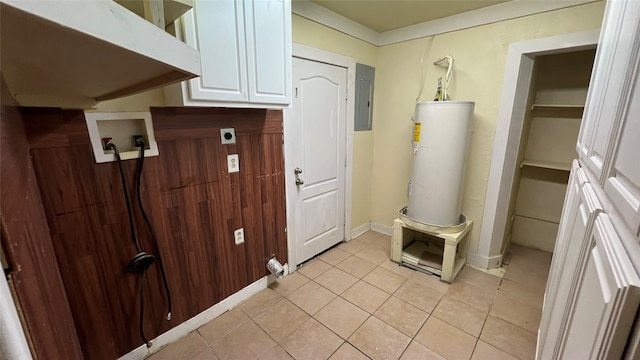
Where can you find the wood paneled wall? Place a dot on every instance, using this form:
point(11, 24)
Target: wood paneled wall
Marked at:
point(194, 205)
point(33, 272)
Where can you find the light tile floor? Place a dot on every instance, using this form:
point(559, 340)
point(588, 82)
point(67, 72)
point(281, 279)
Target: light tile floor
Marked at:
point(352, 302)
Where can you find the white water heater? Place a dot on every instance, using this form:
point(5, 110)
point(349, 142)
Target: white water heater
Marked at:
point(442, 131)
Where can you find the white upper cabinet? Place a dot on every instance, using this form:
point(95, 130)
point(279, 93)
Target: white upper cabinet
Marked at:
point(216, 29)
point(608, 144)
point(245, 49)
point(610, 88)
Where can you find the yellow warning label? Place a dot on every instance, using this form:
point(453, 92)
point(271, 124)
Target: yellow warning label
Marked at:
point(416, 132)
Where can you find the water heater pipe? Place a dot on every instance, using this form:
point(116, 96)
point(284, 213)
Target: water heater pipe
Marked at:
point(447, 78)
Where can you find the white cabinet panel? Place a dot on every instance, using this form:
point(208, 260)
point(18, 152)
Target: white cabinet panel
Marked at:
point(269, 30)
point(623, 185)
point(245, 49)
point(578, 215)
point(607, 299)
point(546, 342)
point(216, 28)
point(611, 85)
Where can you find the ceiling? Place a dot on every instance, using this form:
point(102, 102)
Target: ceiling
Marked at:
point(385, 15)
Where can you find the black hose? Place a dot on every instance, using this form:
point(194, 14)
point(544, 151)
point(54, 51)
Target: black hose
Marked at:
point(126, 196)
point(141, 144)
point(135, 241)
point(143, 281)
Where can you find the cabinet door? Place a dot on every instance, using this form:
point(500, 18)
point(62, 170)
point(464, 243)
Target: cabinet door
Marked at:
point(268, 29)
point(565, 230)
point(216, 29)
point(607, 299)
point(578, 215)
point(623, 183)
point(611, 84)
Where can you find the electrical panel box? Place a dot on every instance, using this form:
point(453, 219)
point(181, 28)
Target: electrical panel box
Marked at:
point(365, 76)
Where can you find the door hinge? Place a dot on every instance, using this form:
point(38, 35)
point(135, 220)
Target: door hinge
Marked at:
point(296, 92)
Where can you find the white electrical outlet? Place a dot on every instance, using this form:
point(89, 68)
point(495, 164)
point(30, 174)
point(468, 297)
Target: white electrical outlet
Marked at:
point(228, 135)
point(239, 236)
point(233, 163)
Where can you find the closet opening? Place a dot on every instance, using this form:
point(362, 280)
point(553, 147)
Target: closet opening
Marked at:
point(555, 103)
point(543, 96)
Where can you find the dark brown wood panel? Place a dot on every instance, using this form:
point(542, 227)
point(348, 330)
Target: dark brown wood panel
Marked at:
point(193, 203)
point(25, 236)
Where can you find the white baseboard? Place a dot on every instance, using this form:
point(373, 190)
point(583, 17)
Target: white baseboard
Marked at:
point(387, 230)
point(197, 321)
point(484, 262)
point(360, 230)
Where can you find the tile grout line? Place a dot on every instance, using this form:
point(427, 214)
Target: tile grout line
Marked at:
point(488, 312)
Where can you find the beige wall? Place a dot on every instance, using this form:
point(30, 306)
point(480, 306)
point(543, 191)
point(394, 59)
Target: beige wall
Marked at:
point(480, 56)
point(310, 33)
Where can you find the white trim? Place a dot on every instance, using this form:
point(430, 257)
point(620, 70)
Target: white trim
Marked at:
point(355, 232)
point(517, 78)
point(309, 53)
point(483, 16)
point(324, 16)
point(197, 321)
point(13, 343)
point(483, 262)
point(381, 228)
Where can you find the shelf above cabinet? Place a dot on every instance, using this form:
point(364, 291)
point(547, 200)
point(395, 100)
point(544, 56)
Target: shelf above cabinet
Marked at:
point(547, 164)
point(74, 54)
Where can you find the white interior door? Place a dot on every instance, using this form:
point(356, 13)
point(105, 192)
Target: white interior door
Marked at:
point(317, 135)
